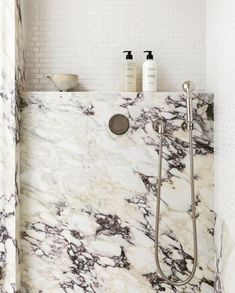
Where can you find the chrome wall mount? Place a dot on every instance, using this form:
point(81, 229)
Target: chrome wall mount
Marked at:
point(158, 126)
point(119, 124)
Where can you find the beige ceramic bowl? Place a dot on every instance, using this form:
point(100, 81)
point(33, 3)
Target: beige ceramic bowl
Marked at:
point(64, 82)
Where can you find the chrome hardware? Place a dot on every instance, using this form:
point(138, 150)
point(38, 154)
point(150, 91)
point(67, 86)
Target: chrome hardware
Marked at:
point(119, 124)
point(187, 126)
point(188, 88)
point(159, 126)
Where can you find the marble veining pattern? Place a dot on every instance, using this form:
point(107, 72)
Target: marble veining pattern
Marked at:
point(88, 196)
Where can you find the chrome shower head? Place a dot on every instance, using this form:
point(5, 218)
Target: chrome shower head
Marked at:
point(188, 86)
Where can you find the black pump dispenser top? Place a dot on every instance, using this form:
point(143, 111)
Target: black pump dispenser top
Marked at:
point(129, 55)
point(150, 55)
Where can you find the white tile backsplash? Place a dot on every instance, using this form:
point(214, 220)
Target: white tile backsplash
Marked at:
point(220, 72)
point(87, 37)
point(220, 80)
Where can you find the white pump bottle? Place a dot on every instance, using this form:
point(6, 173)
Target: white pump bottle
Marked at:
point(149, 73)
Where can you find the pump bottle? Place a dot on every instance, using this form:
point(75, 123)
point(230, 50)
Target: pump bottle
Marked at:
point(149, 73)
point(129, 73)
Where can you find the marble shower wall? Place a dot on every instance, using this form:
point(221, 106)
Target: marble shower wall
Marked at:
point(19, 86)
point(20, 45)
point(225, 257)
point(11, 65)
point(88, 196)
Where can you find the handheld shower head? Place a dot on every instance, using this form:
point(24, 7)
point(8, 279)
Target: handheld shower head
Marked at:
point(188, 87)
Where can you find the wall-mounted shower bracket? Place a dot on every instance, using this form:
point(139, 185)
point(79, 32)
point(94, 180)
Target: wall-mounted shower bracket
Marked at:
point(187, 126)
point(159, 126)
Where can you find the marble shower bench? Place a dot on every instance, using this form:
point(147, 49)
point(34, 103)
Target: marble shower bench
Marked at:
point(88, 196)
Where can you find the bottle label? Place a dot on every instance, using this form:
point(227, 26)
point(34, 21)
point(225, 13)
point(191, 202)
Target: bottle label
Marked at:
point(129, 77)
point(150, 78)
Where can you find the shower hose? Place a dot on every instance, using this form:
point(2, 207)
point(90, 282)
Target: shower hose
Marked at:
point(160, 128)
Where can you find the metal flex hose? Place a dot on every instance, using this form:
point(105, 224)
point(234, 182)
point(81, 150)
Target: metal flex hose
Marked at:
point(160, 128)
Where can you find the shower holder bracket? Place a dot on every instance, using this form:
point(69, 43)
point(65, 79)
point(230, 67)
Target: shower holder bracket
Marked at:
point(159, 126)
point(186, 126)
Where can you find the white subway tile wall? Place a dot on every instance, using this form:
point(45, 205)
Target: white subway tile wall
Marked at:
point(87, 37)
point(220, 74)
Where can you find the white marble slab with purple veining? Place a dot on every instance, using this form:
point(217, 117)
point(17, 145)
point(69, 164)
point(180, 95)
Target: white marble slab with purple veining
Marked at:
point(88, 196)
point(10, 65)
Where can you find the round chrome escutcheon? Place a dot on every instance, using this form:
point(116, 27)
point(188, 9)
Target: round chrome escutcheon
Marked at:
point(119, 124)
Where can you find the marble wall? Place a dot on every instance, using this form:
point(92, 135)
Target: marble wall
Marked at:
point(88, 196)
point(20, 45)
point(10, 65)
point(225, 256)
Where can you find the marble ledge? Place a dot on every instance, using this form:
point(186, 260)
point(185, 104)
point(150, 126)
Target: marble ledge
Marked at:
point(107, 92)
point(207, 96)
